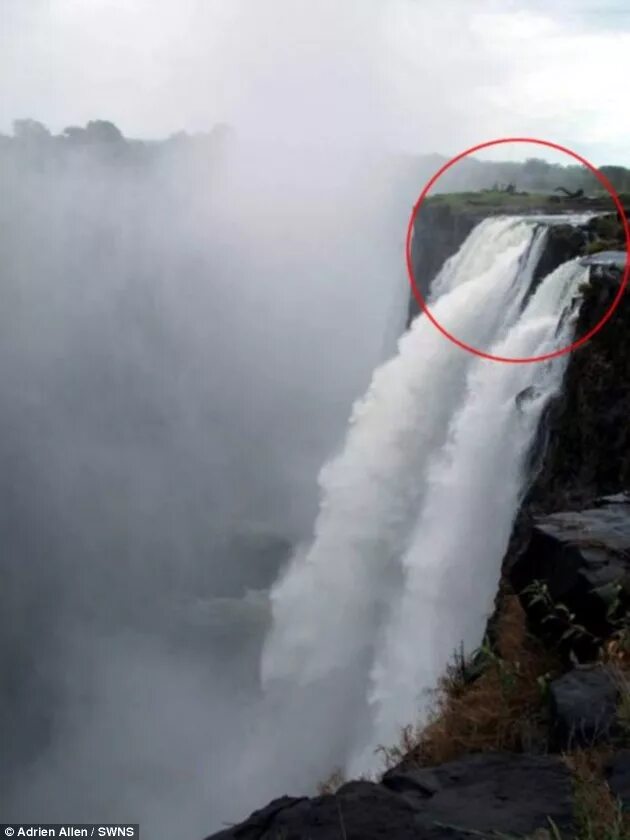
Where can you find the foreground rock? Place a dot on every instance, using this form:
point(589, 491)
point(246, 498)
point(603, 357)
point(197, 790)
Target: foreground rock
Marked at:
point(582, 558)
point(618, 773)
point(583, 708)
point(489, 794)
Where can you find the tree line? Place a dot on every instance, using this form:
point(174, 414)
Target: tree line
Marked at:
point(32, 138)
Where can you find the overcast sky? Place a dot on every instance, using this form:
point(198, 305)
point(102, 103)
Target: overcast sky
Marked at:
point(415, 75)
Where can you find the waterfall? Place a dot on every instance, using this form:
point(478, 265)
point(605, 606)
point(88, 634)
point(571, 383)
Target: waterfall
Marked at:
point(417, 509)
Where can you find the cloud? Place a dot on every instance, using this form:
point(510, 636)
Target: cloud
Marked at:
point(415, 76)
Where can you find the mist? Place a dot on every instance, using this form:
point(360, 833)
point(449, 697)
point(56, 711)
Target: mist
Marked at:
point(183, 335)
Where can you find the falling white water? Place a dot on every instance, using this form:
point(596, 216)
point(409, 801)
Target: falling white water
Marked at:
point(416, 511)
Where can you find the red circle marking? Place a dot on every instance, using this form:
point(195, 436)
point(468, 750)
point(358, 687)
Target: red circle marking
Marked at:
point(418, 295)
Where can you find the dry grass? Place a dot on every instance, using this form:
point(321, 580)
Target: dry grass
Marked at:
point(598, 814)
point(503, 709)
point(332, 783)
point(616, 650)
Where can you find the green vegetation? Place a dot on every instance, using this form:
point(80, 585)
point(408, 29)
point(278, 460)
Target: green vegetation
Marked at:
point(500, 200)
point(534, 183)
point(532, 175)
point(598, 815)
point(32, 142)
point(496, 701)
point(602, 232)
point(497, 201)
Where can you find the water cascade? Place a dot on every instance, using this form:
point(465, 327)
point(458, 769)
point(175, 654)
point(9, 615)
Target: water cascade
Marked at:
point(417, 509)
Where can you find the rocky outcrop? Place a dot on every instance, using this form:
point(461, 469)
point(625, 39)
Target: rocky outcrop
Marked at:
point(583, 708)
point(438, 233)
point(618, 773)
point(574, 574)
point(563, 242)
point(585, 434)
point(491, 794)
point(488, 793)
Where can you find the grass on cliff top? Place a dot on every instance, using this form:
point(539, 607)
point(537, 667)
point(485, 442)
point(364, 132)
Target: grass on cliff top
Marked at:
point(500, 201)
point(492, 198)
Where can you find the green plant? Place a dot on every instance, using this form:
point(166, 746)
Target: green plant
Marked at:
point(508, 671)
point(617, 646)
point(570, 631)
point(502, 707)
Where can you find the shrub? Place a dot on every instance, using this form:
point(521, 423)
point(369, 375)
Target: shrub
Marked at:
point(503, 708)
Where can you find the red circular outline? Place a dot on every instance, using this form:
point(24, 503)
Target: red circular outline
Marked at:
point(418, 295)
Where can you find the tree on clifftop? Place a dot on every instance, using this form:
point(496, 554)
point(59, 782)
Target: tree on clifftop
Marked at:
point(103, 131)
point(96, 131)
point(30, 131)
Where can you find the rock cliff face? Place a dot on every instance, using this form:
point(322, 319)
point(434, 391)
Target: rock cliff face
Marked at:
point(588, 433)
point(438, 233)
point(569, 563)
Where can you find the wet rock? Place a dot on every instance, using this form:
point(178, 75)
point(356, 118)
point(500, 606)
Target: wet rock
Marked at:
point(583, 558)
point(359, 810)
point(260, 821)
point(526, 396)
point(486, 794)
point(613, 499)
point(618, 774)
point(583, 708)
point(605, 275)
point(437, 236)
point(582, 450)
point(564, 242)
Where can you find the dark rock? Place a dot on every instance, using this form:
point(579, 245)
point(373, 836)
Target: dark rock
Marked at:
point(564, 242)
point(586, 427)
point(527, 395)
point(613, 499)
point(421, 781)
point(582, 557)
point(618, 774)
point(484, 793)
point(488, 793)
point(606, 275)
point(583, 708)
point(438, 234)
point(260, 821)
point(359, 810)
